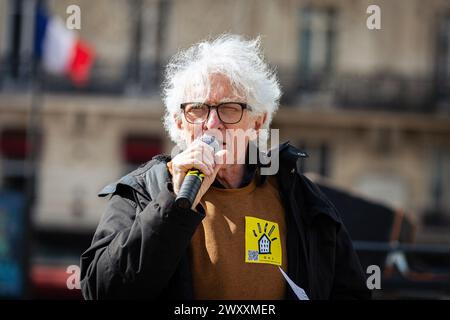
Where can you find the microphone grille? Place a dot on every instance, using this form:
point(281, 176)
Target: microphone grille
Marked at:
point(211, 140)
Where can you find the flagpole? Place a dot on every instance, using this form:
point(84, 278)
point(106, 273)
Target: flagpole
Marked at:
point(33, 133)
point(31, 167)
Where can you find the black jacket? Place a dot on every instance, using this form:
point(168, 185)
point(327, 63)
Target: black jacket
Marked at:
point(140, 247)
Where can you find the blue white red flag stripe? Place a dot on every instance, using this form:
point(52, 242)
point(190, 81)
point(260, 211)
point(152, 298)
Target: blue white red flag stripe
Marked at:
point(60, 50)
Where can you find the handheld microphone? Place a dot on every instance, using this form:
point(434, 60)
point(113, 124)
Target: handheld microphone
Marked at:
point(193, 180)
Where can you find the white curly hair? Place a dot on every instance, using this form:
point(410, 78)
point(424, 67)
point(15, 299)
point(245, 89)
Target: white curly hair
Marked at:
point(188, 74)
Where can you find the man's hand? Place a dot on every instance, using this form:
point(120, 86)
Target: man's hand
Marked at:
point(198, 155)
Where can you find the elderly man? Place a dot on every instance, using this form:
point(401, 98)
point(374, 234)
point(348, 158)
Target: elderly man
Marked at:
point(247, 235)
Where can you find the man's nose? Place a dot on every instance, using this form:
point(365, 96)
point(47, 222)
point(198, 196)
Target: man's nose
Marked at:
point(213, 121)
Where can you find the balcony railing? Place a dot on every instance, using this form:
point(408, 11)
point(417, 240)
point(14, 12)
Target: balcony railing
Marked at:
point(381, 91)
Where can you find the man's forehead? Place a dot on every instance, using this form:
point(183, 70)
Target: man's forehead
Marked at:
point(214, 93)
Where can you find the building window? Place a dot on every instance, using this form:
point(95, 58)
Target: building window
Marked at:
point(14, 149)
point(438, 210)
point(138, 149)
point(443, 57)
point(19, 39)
point(318, 160)
point(317, 37)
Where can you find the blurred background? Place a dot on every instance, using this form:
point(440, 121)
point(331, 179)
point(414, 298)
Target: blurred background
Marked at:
point(370, 107)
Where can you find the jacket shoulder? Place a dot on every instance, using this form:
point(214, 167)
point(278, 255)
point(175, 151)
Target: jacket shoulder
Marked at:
point(139, 178)
point(288, 154)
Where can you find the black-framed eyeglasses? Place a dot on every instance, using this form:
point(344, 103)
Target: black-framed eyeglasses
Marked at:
point(228, 112)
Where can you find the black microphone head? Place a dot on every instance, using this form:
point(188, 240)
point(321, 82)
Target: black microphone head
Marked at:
point(212, 141)
point(192, 182)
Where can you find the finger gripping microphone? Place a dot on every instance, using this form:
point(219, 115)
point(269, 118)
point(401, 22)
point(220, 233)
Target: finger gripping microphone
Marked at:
point(193, 180)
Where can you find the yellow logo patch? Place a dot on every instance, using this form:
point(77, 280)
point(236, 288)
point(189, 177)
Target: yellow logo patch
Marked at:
point(262, 241)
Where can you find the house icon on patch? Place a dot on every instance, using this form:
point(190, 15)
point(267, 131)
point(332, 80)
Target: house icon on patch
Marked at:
point(264, 244)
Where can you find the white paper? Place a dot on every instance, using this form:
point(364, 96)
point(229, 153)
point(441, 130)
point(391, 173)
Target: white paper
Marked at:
point(299, 292)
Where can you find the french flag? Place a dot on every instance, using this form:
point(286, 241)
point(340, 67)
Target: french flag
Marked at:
point(60, 50)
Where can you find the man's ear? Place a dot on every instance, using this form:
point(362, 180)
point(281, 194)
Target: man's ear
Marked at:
point(178, 121)
point(260, 121)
